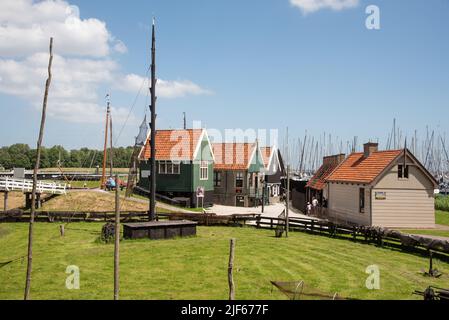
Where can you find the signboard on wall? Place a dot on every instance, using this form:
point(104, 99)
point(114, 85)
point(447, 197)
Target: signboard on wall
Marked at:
point(381, 195)
point(145, 173)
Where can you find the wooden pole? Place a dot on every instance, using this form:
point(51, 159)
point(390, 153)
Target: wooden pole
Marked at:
point(5, 200)
point(231, 269)
point(103, 173)
point(62, 230)
point(152, 209)
point(117, 243)
point(36, 168)
point(288, 202)
point(111, 151)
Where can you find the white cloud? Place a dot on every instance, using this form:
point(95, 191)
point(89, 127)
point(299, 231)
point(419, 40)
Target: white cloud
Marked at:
point(164, 89)
point(82, 64)
point(120, 47)
point(73, 91)
point(309, 6)
point(26, 26)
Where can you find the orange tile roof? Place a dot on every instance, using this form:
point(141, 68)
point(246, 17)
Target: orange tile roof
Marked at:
point(232, 156)
point(173, 144)
point(266, 154)
point(357, 168)
point(318, 181)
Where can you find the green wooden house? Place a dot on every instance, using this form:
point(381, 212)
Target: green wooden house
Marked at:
point(238, 174)
point(184, 166)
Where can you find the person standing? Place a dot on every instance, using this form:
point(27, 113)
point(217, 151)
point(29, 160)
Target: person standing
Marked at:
point(309, 208)
point(314, 206)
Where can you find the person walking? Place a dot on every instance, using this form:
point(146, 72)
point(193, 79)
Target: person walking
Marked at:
point(309, 208)
point(314, 206)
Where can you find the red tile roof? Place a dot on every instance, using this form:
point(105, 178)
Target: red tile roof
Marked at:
point(173, 144)
point(318, 181)
point(357, 168)
point(232, 156)
point(266, 154)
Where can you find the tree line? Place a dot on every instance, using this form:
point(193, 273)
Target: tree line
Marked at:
point(22, 156)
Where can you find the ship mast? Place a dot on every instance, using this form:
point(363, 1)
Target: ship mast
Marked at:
point(152, 211)
point(105, 149)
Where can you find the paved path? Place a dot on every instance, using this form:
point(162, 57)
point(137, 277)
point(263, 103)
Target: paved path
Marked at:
point(270, 211)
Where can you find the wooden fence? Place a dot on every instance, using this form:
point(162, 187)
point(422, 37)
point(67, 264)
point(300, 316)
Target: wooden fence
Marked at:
point(24, 185)
point(378, 236)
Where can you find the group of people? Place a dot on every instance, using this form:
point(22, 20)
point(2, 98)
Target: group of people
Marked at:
point(314, 207)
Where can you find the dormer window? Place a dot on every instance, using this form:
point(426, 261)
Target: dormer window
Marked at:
point(403, 171)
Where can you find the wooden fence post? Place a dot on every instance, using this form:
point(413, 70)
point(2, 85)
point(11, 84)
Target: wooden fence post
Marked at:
point(36, 168)
point(117, 242)
point(230, 270)
point(61, 230)
point(5, 204)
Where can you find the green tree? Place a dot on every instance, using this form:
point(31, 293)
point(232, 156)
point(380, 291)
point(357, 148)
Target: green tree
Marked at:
point(19, 154)
point(58, 154)
point(44, 163)
point(5, 158)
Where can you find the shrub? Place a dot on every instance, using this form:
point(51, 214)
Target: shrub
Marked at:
point(442, 203)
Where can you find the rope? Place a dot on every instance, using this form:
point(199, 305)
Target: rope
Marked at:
point(132, 107)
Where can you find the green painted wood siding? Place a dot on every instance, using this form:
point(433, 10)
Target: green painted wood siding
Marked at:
point(181, 182)
point(256, 163)
point(189, 177)
point(204, 154)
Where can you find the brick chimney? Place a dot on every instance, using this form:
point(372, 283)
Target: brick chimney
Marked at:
point(369, 148)
point(338, 158)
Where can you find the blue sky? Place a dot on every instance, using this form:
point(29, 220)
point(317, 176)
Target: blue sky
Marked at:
point(254, 64)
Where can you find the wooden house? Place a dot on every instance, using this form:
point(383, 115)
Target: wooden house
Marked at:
point(238, 174)
point(184, 165)
point(274, 170)
point(382, 188)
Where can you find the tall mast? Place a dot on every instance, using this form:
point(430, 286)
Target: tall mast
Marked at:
point(152, 212)
point(111, 151)
point(105, 149)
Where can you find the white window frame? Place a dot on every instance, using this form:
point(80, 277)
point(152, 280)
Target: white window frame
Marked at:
point(204, 168)
point(171, 168)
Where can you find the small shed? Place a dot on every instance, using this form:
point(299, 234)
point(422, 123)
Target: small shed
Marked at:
point(382, 188)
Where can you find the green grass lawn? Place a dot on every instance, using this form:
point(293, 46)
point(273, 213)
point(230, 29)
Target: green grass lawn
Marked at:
point(442, 217)
point(196, 267)
point(89, 184)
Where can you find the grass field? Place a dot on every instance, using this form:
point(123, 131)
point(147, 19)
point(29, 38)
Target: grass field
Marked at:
point(80, 184)
point(442, 217)
point(196, 267)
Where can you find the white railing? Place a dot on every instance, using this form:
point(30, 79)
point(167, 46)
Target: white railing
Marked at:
point(24, 185)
